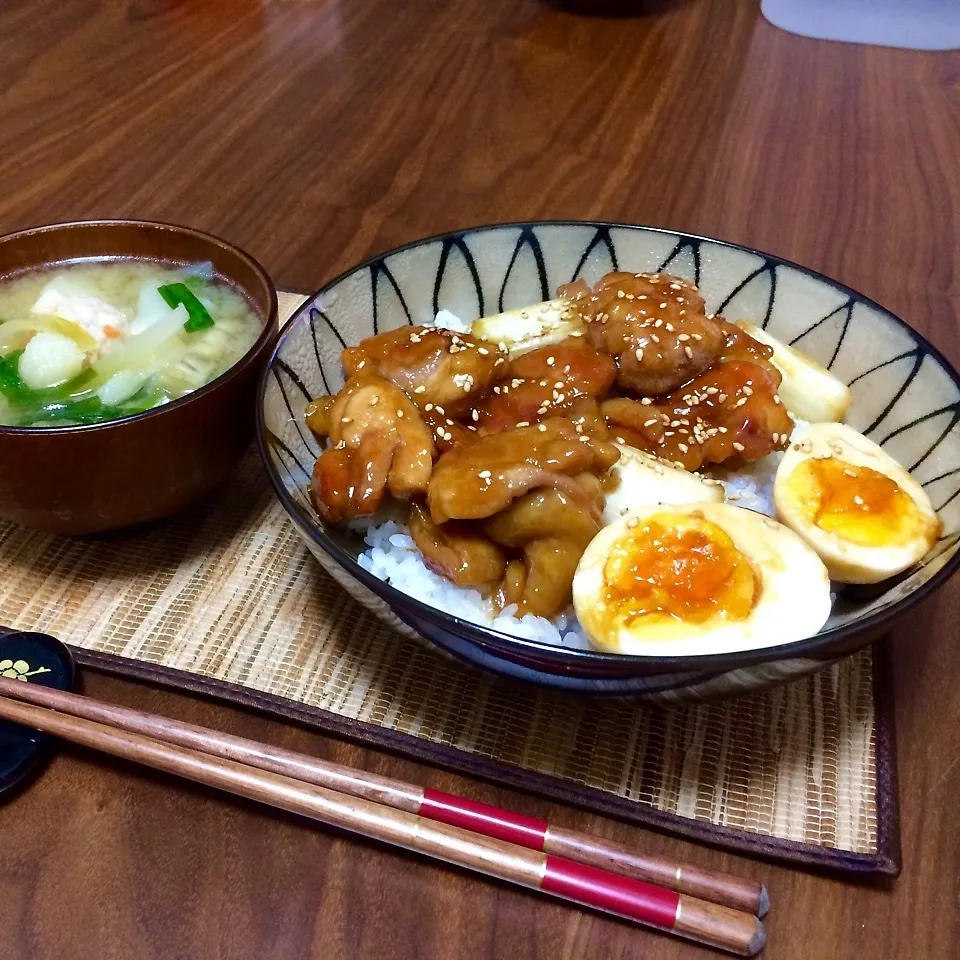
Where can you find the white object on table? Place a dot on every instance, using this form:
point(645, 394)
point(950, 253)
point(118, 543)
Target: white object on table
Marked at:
point(911, 24)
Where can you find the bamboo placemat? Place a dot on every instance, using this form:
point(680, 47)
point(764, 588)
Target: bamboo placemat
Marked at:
point(226, 600)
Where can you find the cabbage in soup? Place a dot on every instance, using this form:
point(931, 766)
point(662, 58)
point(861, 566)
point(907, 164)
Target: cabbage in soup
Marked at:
point(89, 342)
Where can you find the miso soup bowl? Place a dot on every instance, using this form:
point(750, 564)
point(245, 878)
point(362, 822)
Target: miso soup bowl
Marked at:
point(94, 478)
point(906, 396)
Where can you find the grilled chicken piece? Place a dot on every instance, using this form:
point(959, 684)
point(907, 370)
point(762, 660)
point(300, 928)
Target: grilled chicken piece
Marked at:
point(457, 550)
point(378, 442)
point(433, 366)
point(553, 529)
point(480, 479)
point(545, 382)
point(731, 411)
point(654, 324)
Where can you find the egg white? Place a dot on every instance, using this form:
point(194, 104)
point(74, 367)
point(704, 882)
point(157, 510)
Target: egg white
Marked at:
point(639, 479)
point(850, 562)
point(792, 601)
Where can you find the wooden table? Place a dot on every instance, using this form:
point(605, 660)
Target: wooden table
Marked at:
point(315, 133)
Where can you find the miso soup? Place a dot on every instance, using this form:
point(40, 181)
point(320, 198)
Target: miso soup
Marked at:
point(95, 341)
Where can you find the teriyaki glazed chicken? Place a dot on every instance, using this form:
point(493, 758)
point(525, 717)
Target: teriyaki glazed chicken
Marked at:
point(615, 469)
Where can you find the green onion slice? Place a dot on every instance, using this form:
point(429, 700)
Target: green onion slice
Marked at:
point(176, 293)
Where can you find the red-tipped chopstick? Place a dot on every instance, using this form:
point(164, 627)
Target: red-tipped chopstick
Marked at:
point(534, 834)
point(707, 923)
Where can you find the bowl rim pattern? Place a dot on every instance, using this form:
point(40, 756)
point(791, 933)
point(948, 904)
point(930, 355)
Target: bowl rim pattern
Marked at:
point(815, 647)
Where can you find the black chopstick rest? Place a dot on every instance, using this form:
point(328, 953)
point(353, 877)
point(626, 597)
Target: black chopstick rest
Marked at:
point(31, 658)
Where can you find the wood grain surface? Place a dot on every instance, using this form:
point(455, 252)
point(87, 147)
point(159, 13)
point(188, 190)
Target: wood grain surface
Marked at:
point(316, 132)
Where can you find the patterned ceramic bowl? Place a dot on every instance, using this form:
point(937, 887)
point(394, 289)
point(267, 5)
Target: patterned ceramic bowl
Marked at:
point(906, 397)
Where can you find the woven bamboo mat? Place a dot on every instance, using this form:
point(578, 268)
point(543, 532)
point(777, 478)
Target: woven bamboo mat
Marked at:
point(227, 600)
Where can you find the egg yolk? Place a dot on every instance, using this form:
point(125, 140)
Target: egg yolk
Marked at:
point(856, 503)
point(681, 567)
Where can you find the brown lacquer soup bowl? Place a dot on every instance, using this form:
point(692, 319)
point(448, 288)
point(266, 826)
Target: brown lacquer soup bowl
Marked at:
point(906, 397)
point(85, 479)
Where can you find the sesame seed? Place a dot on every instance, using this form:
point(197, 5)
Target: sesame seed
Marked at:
point(483, 474)
point(474, 415)
point(483, 351)
point(738, 447)
point(683, 337)
point(639, 354)
point(654, 338)
point(650, 423)
point(620, 294)
point(374, 401)
point(428, 407)
point(747, 392)
point(683, 447)
point(542, 428)
point(663, 306)
point(502, 346)
point(523, 423)
point(420, 389)
point(741, 402)
point(668, 327)
point(346, 420)
point(688, 352)
point(858, 501)
point(399, 414)
point(441, 411)
point(646, 401)
point(550, 361)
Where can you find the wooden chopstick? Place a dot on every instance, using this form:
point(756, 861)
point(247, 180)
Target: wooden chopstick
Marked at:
point(501, 824)
point(714, 925)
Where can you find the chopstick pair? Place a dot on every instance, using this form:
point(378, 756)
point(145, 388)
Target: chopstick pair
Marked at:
point(711, 908)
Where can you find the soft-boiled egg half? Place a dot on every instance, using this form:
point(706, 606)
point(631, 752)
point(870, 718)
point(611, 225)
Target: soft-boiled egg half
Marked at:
point(639, 479)
point(862, 512)
point(698, 578)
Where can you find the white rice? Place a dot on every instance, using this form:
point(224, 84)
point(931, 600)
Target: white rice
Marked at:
point(392, 556)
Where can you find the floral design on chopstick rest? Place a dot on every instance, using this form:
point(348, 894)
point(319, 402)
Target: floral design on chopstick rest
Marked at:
point(19, 669)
